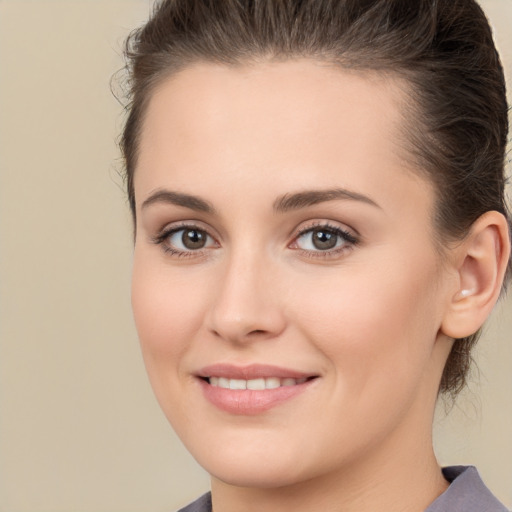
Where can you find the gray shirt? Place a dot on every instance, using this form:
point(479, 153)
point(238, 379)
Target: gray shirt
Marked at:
point(467, 493)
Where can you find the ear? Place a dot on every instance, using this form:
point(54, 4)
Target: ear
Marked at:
point(481, 262)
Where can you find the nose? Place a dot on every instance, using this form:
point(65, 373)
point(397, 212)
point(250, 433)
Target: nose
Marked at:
point(246, 301)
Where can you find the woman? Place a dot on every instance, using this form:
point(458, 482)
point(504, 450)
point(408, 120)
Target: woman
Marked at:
point(320, 232)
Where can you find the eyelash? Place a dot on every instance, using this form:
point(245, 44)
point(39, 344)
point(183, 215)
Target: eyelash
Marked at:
point(350, 240)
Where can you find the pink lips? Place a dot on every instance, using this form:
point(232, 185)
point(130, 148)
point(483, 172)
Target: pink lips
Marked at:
point(252, 401)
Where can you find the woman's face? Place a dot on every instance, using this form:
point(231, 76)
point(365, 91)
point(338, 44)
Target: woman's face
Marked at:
point(284, 245)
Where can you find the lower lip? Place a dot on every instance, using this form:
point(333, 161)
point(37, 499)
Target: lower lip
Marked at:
point(248, 401)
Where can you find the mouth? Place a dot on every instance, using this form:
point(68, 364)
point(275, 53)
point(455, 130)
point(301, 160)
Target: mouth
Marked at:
point(254, 389)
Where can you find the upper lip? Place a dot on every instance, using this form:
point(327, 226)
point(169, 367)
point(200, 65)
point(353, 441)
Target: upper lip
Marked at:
point(251, 371)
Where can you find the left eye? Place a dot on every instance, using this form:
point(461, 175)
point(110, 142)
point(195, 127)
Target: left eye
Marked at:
point(324, 239)
point(189, 239)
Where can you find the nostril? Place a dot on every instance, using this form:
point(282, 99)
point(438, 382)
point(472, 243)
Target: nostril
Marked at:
point(245, 322)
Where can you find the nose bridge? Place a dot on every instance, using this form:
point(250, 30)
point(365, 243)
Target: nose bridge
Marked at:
point(246, 303)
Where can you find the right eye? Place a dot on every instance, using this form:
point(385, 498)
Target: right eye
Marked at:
point(188, 239)
point(185, 240)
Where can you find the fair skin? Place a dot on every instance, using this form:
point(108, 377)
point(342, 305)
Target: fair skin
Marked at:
point(234, 278)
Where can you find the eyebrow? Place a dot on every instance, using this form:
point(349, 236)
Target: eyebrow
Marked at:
point(178, 199)
point(311, 197)
point(282, 204)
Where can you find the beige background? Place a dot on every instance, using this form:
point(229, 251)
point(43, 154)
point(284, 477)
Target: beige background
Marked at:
point(79, 427)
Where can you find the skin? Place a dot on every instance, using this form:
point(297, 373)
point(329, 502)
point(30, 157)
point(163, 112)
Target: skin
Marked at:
point(366, 320)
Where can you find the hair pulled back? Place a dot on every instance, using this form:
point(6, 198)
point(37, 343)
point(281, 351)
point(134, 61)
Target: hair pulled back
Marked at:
point(444, 49)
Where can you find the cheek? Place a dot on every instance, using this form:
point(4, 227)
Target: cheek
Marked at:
point(167, 311)
point(373, 326)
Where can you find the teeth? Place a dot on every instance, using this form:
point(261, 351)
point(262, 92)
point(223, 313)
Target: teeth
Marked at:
point(254, 384)
point(272, 383)
point(237, 384)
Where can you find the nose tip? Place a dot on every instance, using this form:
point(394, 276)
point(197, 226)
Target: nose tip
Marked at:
point(246, 306)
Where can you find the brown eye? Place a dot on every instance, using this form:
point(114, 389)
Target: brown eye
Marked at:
point(186, 240)
point(323, 239)
point(194, 239)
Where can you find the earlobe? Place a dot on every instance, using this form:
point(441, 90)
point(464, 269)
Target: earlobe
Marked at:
point(483, 258)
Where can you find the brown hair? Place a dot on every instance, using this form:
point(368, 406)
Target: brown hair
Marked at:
point(443, 48)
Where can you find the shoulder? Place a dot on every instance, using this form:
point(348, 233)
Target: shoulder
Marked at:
point(203, 504)
point(467, 493)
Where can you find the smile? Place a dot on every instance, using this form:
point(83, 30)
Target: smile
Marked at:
point(261, 383)
point(254, 389)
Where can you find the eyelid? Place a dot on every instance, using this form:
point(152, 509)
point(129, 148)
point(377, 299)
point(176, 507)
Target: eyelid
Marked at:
point(170, 227)
point(326, 224)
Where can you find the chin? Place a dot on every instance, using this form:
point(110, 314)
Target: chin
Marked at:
point(262, 463)
point(276, 467)
point(259, 474)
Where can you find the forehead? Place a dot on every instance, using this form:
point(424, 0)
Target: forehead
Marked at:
point(299, 96)
point(303, 119)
